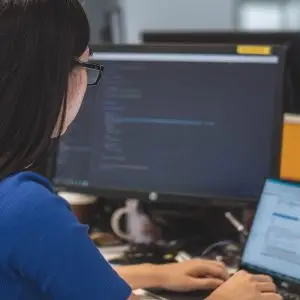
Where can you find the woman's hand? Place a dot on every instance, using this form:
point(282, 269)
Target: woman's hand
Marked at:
point(247, 287)
point(195, 274)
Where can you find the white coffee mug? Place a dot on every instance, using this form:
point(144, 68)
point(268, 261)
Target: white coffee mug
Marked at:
point(136, 223)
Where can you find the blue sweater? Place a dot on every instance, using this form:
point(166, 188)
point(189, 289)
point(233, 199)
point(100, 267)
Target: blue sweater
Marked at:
point(44, 252)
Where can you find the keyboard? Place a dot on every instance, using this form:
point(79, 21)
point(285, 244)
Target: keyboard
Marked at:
point(288, 296)
point(179, 297)
point(196, 295)
point(168, 295)
point(146, 295)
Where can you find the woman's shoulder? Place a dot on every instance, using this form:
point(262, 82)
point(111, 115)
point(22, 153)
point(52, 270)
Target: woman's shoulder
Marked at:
point(24, 181)
point(27, 193)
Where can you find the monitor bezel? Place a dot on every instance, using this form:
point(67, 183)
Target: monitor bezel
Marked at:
point(204, 199)
point(219, 36)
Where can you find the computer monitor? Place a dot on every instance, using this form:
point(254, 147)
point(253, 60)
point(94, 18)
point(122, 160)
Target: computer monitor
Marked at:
point(181, 124)
point(289, 38)
point(221, 37)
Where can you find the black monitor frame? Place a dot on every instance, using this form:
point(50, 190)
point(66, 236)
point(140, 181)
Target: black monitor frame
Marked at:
point(199, 200)
point(220, 37)
point(289, 38)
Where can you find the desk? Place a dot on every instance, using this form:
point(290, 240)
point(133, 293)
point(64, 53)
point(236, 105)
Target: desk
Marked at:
point(110, 253)
point(117, 251)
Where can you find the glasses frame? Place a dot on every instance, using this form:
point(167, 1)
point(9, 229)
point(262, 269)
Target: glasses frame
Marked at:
point(91, 66)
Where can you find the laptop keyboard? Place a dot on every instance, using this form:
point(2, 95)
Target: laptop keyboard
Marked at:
point(285, 295)
point(288, 296)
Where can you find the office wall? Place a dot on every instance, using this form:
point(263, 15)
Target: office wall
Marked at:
point(270, 15)
point(140, 15)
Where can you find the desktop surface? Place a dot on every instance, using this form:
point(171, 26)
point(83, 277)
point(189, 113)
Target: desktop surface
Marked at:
point(190, 123)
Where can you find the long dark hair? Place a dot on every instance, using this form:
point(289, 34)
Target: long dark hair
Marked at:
point(38, 41)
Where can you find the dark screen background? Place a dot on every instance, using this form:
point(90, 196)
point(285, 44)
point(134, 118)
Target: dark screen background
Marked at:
point(174, 127)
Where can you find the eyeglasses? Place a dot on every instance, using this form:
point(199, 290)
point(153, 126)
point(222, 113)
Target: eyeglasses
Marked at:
point(94, 71)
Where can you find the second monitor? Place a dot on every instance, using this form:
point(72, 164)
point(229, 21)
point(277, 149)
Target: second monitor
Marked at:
point(185, 123)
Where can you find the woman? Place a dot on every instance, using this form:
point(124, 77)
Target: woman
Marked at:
point(45, 253)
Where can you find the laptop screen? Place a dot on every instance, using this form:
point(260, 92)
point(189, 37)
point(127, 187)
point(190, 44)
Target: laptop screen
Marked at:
point(273, 246)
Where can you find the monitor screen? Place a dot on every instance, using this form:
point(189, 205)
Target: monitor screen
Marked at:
point(289, 38)
point(171, 123)
point(273, 244)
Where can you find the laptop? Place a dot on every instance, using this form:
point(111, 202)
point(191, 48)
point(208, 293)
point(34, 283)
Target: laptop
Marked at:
point(273, 245)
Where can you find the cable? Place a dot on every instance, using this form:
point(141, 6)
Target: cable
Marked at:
point(238, 226)
point(217, 244)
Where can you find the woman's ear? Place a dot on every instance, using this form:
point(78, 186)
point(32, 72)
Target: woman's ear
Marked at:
point(85, 55)
point(76, 90)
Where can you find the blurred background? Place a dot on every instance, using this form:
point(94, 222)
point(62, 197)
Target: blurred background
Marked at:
point(124, 21)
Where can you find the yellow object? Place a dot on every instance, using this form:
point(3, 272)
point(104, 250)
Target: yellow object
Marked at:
point(168, 256)
point(290, 157)
point(254, 50)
